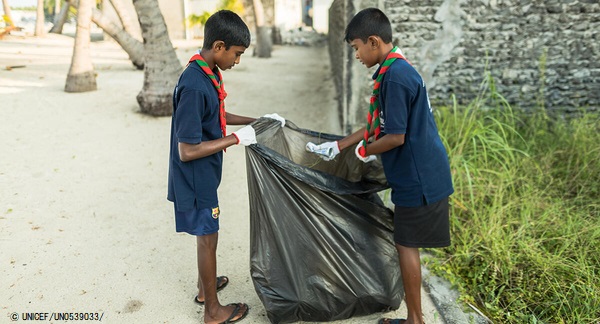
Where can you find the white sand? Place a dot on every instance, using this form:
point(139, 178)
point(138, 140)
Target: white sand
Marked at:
point(84, 221)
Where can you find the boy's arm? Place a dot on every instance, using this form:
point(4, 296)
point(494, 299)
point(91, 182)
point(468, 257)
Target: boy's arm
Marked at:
point(233, 119)
point(189, 152)
point(353, 138)
point(385, 143)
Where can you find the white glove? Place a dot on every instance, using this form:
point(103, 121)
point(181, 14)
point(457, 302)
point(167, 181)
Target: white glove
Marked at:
point(276, 117)
point(364, 159)
point(326, 151)
point(245, 135)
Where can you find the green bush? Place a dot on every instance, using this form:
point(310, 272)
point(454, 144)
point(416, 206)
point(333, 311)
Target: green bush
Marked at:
point(525, 213)
point(199, 20)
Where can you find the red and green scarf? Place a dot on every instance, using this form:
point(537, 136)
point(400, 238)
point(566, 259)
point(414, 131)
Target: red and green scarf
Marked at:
point(218, 85)
point(373, 115)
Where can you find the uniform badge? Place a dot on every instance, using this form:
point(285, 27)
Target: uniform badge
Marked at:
point(215, 212)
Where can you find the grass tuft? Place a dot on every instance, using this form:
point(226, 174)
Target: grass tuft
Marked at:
point(525, 212)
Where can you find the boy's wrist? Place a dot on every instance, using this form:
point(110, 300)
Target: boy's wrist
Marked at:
point(237, 139)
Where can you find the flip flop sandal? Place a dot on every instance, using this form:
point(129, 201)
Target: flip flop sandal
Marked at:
point(236, 313)
point(391, 321)
point(222, 282)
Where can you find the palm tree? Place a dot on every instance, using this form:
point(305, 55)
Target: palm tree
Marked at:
point(81, 75)
point(125, 18)
point(40, 19)
point(161, 65)
point(6, 9)
point(60, 18)
point(133, 47)
point(263, 41)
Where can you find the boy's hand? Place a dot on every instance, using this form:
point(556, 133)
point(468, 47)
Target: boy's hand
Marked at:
point(365, 159)
point(245, 135)
point(326, 151)
point(276, 117)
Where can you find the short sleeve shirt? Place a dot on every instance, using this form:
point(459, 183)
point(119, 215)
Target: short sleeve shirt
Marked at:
point(417, 171)
point(195, 119)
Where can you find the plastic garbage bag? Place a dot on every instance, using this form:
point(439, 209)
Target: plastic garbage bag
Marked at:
point(320, 237)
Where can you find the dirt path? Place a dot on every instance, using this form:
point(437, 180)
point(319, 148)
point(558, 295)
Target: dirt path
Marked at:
point(84, 223)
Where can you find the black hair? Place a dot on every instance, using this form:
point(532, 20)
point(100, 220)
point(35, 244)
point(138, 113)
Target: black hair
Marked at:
point(226, 26)
point(369, 22)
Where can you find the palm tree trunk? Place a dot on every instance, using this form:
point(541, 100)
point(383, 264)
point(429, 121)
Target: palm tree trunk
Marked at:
point(263, 41)
point(81, 75)
point(60, 19)
point(133, 47)
point(40, 19)
point(6, 8)
point(161, 65)
point(125, 18)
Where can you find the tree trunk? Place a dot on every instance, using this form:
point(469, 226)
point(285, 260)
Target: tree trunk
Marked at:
point(263, 40)
point(81, 75)
point(125, 18)
point(6, 8)
point(60, 19)
point(40, 19)
point(161, 65)
point(133, 47)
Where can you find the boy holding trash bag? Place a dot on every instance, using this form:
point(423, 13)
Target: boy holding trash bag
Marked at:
point(414, 159)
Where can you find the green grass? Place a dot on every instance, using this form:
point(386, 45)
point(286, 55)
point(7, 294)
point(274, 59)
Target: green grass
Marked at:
point(525, 213)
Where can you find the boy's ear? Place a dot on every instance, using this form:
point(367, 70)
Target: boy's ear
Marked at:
point(218, 46)
point(373, 42)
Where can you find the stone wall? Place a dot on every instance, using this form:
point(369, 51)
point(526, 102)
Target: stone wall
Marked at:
point(538, 52)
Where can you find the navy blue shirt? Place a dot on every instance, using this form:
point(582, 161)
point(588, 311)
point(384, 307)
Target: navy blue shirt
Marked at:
point(418, 171)
point(195, 119)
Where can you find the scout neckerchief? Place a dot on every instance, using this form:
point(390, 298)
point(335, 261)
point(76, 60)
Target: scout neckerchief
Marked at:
point(373, 115)
point(218, 85)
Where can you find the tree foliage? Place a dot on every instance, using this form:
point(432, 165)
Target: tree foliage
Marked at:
point(232, 5)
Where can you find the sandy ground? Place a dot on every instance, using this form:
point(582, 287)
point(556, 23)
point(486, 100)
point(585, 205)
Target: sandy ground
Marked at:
point(84, 221)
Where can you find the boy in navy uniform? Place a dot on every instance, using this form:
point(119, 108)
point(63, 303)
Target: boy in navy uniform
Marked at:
point(414, 159)
point(198, 139)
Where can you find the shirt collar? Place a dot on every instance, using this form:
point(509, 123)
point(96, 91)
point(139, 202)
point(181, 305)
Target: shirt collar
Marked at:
point(376, 72)
point(379, 68)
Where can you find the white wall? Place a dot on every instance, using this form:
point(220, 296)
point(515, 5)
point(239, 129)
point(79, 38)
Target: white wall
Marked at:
point(288, 14)
point(321, 15)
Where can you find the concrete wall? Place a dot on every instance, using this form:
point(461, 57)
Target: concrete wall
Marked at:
point(451, 42)
point(351, 79)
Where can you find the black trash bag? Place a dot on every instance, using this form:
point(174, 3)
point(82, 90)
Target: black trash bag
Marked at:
point(320, 237)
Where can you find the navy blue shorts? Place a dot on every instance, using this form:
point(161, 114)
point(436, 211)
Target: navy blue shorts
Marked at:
point(423, 227)
point(198, 222)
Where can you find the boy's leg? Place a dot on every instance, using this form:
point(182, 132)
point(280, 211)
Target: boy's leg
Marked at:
point(200, 248)
point(214, 312)
point(410, 266)
point(424, 226)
